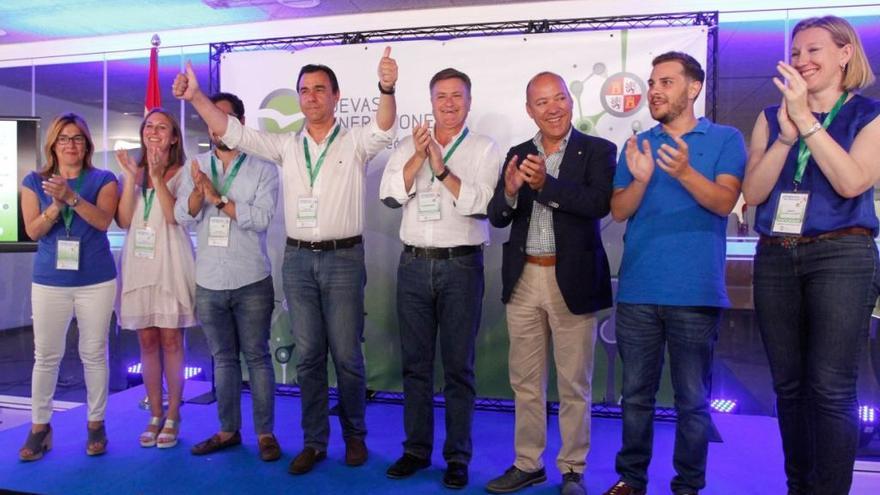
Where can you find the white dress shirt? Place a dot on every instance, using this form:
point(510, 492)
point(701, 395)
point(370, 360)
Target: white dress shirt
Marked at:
point(340, 183)
point(476, 162)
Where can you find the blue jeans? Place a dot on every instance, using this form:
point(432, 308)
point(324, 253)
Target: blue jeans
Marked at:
point(325, 294)
point(689, 332)
point(238, 321)
point(813, 304)
point(442, 297)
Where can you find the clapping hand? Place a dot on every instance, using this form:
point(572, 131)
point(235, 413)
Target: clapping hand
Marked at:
point(639, 161)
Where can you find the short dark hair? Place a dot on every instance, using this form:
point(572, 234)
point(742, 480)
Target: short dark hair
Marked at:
point(692, 69)
point(235, 101)
point(450, 73)
point(312, 68)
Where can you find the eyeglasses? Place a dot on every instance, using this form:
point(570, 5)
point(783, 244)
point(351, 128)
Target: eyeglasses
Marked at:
point(78, 140)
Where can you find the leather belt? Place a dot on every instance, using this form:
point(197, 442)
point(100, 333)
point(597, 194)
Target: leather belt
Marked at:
point(441, 253)
point(348, 242)
point(541, 260)
point(792, 242)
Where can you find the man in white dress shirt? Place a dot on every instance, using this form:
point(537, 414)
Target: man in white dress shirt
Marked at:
point(443, 180)
point(323, 172)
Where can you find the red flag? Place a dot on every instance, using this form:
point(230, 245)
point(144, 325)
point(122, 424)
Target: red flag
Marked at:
point(153, 98)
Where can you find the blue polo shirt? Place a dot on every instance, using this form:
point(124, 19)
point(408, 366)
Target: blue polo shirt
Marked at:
point(674, 249)
point(826, 210)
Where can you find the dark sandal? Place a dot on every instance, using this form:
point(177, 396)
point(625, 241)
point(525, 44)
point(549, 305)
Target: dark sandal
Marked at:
point(38, 443)
point(97, 437)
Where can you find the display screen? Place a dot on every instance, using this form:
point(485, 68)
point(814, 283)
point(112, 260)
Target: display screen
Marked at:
point(19, 155)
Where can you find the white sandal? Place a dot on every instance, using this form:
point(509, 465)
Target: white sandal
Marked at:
point(168, 440)
point(148, 438)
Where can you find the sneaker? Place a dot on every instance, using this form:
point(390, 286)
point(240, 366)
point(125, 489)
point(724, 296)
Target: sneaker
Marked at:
point(515, 479)
point(621, 488)
point(406, 466)
point(456, 476)
point(572, 484)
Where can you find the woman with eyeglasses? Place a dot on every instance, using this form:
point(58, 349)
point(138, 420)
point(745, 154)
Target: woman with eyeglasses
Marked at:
point(811, 172)
point(158, 269)
point(67, 207)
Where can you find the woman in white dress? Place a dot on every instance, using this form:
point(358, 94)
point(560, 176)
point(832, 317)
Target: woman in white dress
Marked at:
point(158, 269)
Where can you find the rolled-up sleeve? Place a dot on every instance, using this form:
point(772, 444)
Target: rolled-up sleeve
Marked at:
point(263, 144)
point(181, 204)
point(371, 140)
point(474, 194)
point(392, 188)
point(256, 215)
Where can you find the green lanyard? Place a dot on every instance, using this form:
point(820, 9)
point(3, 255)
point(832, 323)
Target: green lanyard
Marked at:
point(67, 211)
point(452, 149)
point(804, 153)
point(313, 174)
point(229, 178)
point(148, 200)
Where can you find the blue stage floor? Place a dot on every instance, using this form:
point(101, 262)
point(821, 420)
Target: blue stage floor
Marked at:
point(749, 461)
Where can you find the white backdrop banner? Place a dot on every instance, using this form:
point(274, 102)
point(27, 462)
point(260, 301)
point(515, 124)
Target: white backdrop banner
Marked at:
point(607, 73)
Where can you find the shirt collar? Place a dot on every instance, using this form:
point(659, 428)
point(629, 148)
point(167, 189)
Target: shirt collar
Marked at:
point(537, 141)
point(701, 128)
point(305, 132)
point(454, 138)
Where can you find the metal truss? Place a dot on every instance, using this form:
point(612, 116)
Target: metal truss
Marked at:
point(294, 43)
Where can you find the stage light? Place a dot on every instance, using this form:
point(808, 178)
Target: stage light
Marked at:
point(868, 420)
point(188, 371)
point(723, 405)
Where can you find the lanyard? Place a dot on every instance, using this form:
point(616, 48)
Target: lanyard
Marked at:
point(67, 211)
point(452, 149)
point(804, 153)
point(229, 178)
point(313, 174)
point(148, 200)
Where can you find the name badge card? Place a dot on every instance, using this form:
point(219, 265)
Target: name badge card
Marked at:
point(791, 213)
point(307, 212)
point(218, 231)
point(67, 254)
point(429, 206)
point(145, 243)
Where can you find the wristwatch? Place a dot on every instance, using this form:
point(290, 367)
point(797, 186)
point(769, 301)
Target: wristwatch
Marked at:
point(222, 203)
point(74, 202)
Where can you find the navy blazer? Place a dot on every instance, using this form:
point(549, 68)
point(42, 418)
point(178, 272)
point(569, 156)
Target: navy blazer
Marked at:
point(580, 197)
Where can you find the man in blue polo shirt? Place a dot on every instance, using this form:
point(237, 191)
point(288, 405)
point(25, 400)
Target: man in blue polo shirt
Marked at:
point(676, 184)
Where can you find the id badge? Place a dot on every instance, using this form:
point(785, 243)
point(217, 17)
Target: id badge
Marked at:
point(791, 213)
point(218, 231)
point(429, 206)
point(67, 254)
point(145, 243)
point(307, 212)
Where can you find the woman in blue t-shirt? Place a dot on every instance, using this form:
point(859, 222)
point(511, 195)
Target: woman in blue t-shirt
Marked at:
point(811, 172)
point(67, 207)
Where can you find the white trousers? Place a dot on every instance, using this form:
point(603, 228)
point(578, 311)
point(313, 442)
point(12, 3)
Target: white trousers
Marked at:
point(53, 308)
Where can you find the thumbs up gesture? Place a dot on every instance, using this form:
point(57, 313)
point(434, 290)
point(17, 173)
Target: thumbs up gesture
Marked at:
point(185, 84)
point(387, 71)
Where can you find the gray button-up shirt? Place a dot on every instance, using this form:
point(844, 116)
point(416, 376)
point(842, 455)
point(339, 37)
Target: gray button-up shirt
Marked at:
point(541, 240)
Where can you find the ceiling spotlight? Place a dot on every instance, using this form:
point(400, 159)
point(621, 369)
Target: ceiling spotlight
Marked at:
point(300, 4)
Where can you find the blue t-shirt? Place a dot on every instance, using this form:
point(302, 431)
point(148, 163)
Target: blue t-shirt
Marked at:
point(826, 210)
point(674, 249)
point(95, 260)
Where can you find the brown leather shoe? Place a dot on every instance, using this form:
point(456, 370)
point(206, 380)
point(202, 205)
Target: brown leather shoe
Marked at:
point(621, 488)
point(214, 444)
point(306, 460)
point(269, 448)
point(355, 451)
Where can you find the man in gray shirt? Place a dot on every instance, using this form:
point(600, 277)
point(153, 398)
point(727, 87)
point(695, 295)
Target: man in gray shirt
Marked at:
point(230, 197)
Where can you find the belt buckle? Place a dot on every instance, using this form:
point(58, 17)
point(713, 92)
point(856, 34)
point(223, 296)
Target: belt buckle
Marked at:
point(789, 242)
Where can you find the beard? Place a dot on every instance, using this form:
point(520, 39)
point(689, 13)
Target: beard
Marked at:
point(675, 108)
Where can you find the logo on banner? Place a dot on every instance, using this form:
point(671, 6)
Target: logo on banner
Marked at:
point(280, 112)
point(622, 94)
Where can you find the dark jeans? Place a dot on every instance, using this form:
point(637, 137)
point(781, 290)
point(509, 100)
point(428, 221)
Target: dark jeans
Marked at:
point(442, 297)
point(813, 304)
point(325, 294)
point(689, 332)
point(238, 321)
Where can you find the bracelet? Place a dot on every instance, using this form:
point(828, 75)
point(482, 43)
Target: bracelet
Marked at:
point(386, 91)
point(785, 141)
point(47, 218)
point(812, 130)
point(443, 174)
point(75, 201)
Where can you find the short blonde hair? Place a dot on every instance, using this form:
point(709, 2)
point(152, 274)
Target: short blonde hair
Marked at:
point(857, 73)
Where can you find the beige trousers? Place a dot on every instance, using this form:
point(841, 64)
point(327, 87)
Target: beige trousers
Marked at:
point(536, 317)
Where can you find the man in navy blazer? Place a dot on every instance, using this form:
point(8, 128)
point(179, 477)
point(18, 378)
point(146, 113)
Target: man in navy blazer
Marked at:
point(555, 189)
